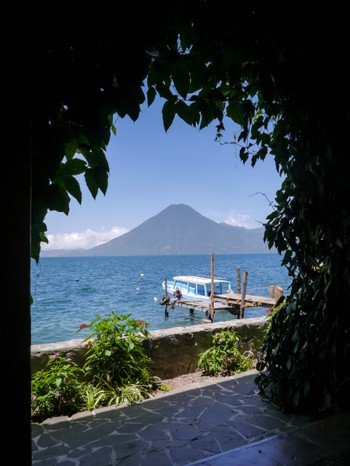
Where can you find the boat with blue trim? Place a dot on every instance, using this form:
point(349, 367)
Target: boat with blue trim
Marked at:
point(197, 288)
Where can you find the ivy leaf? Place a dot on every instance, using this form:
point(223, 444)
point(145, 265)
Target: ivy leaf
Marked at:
point(243, 154)
point(58, 199)
point(207, 113)
point(73, 187)
point(96, 178)
point(184, 112)
point(181, 80)
point(168, 113)
point(235, 111)
point(70, 148)
point(72, 167)
point(198, 77)
point(151, 95)
point(97, 158)
point(165, 92)
point(91, 182)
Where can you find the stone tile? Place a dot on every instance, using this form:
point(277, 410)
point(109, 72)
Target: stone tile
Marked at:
point(227, 424)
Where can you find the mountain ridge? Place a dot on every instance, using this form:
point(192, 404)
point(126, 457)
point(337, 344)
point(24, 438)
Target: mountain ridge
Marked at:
point(178, 229)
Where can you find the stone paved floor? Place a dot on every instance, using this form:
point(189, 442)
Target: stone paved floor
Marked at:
point(205, 424)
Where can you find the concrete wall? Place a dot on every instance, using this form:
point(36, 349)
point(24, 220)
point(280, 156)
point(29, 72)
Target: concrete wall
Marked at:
point(173, 351)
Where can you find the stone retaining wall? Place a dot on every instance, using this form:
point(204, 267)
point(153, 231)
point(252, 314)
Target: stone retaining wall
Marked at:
point(173, 351)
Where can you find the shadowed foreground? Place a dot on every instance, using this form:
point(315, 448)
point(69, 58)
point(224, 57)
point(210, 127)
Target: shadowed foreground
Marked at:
point(212, 424)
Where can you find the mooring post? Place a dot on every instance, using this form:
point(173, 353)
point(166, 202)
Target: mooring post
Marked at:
point(166, 296)
point(244, 291)
point(238, 274)
point(212, 289)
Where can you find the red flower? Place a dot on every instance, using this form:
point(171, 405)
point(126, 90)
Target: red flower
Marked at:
point(141, 323)
point(83, 326)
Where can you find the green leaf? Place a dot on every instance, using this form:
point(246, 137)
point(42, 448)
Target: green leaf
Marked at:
point(73, 187)
point(70, 148)
point(181, 80)
point(198, 77)
point(243, 154)
point(96, 178)
point(165, 92)
point(72, 167)
point(235, 111)
point(97, 158)
point(151, 94)
point(57, 199)
point(91, 182)
point(168, 113)
point(185, 112)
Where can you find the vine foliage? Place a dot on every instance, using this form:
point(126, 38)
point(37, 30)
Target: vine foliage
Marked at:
point(284, 87)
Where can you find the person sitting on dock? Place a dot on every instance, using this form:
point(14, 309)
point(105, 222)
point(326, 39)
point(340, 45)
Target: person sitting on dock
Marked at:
point(177, 296)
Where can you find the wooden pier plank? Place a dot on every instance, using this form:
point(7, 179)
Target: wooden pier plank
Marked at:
point(249, 300)
point(230, 302)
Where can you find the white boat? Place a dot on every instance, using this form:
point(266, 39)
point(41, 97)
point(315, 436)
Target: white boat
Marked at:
point(197, 288)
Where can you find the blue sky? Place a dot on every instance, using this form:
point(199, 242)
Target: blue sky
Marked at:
point(151, 169)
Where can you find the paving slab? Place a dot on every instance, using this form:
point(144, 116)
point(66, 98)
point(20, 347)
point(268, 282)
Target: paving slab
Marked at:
point(207, 424)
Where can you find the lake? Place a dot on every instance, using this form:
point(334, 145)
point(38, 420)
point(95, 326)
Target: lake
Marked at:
point(69, 291)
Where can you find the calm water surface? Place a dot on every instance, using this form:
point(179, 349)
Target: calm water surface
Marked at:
point(69, 291)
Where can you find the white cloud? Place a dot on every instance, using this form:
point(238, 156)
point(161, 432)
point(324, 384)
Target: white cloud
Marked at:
point(85, 239)
point(241, 220)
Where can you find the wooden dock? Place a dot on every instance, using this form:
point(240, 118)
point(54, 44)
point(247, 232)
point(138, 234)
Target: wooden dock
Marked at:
point(232, 299)
point(231, 302)
point(235, 303)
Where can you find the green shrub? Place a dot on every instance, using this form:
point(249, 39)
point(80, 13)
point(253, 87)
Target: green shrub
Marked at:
point(225, 357)
point(116, 371)
point(57, 390)
point(115, 360)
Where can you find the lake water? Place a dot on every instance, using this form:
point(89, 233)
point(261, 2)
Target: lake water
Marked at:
point(69, 291)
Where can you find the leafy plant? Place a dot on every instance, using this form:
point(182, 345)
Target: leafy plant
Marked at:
point(116, 371)
point(58, 389)
point(294, 364)
point(224, 357)
point(115, 358)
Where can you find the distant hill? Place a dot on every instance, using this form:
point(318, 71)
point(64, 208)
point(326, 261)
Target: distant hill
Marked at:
point(178, 229)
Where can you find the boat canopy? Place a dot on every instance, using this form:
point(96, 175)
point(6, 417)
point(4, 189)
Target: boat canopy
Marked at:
point(199, 286)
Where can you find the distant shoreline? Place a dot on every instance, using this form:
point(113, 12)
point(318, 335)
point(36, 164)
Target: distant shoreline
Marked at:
point(73, 253)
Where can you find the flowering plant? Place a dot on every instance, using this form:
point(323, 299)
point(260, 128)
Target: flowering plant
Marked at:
point(115, 358)
point(116, 370)
point(57, 389)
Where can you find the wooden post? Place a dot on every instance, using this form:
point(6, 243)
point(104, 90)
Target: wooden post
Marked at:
point(238, 286)
point(166, 295)
point(212, 289)
point(278, 293)
point(244, 291)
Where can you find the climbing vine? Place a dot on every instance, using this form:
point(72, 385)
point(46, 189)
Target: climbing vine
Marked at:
point(283, 90)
